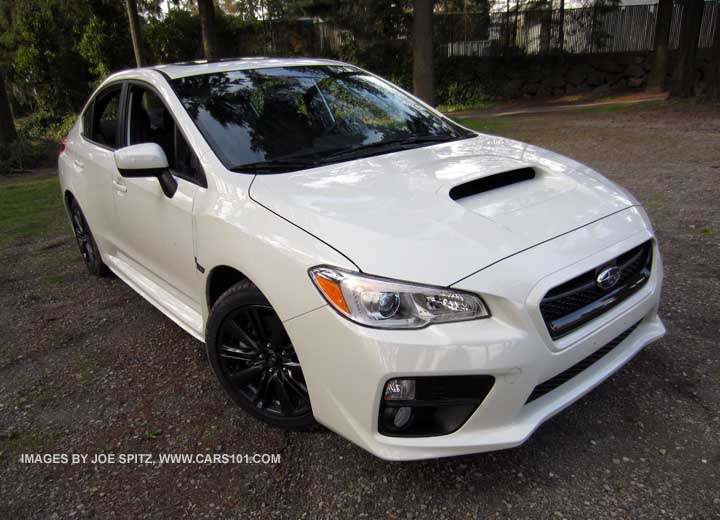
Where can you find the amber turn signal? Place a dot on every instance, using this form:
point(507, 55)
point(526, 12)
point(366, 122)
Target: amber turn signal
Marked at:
point(332, 291)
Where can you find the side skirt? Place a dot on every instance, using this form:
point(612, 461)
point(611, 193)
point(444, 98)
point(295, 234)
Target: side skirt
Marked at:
point(183, 315)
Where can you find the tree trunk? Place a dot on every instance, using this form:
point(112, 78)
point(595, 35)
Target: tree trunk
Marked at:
point(7, 125)
point(135, 34)
point(206, 9)
point(714, 75)
point(561, 26)
point(656, 81)
point(507, 25)
point(515, 24)
point(423, 50)
point(592, 28)
point(684, 75)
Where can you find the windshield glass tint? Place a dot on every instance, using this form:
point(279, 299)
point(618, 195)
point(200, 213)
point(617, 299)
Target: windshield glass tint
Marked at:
point(315, 115)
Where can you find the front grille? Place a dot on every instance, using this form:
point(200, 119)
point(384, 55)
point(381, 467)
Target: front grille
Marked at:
point(551, 384)
point(577, 301)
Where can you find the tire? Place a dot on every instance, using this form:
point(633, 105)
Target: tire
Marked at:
point(86, 242)
point(252, 356)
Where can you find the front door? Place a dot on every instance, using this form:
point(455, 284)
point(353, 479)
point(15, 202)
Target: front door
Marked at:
point(156, 232)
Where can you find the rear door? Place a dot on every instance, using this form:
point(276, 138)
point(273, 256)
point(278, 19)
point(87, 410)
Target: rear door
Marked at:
point(155, 233)
point(94, 164)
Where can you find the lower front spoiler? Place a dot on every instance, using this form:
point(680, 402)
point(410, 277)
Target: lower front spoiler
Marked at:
point(345, 377)
point(533, 414)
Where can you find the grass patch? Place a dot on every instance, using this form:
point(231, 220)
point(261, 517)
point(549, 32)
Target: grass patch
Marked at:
point(55, 279)
point(455, 107)
point(623, 107)
point(485, 126)
point(29, 209)
point(707, 231)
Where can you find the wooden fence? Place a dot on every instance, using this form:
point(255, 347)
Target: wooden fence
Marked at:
point(544, 31)
point(533, 31)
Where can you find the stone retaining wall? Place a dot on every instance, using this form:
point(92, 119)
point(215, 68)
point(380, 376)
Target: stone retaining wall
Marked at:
point(545, 76)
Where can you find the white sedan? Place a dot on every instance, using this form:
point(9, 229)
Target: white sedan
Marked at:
point(353, 257)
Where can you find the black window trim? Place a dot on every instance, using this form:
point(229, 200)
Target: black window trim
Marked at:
point(85, 133)
point(201, 181)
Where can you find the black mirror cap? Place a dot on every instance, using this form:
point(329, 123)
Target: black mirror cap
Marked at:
point(168, 183)
point(141, 172)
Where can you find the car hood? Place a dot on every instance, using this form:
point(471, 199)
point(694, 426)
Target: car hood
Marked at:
point(393, 214)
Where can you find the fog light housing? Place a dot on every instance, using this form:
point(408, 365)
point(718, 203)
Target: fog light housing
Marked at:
point(430, 406)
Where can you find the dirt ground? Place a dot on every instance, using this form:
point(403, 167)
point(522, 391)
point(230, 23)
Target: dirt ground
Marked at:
point(87, 366)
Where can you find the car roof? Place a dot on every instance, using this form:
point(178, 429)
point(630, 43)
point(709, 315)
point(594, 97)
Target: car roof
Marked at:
point(193, 68)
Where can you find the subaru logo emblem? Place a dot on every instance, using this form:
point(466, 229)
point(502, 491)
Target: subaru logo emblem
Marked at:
point(608, 277)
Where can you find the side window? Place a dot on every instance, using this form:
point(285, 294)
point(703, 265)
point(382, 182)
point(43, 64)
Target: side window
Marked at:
point(105, 118)
point(149, 121)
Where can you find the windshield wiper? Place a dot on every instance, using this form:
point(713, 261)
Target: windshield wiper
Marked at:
point(290, 164)
point(275, 166)
point(391, 143)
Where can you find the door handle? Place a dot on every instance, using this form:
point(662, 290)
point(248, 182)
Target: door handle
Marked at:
point(119, 186)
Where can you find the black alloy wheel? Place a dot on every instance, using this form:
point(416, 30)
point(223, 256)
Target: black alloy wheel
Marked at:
point(254, 359)
point(85, 241)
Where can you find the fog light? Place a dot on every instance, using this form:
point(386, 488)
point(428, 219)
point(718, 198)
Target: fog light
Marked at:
point(396, 419)
point(400, 390)
point(402, 417)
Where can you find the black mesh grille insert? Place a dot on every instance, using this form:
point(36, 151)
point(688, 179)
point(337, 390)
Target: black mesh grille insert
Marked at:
point(551, 384)
point(577, 301)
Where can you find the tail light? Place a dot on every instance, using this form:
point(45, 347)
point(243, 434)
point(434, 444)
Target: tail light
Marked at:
point(61, 146)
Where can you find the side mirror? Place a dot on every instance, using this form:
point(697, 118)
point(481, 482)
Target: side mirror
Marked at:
point(146, 160)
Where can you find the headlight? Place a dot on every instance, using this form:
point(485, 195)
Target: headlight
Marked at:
point(389, 304)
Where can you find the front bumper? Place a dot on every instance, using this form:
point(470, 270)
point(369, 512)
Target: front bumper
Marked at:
point(346, 365)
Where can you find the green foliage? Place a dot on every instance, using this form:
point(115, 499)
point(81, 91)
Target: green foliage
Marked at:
point(390, 60)
point(62, 128)
point(46, 61)
point(37, 142)
point(458, 95)
point(59, 49)
point(42, 125)
point(465, 82)
point(174, 38)
point(99, 46)
point(92, 46)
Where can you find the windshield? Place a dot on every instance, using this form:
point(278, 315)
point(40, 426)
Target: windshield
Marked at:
point(291, 118)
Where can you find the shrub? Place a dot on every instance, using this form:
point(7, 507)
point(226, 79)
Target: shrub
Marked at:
point(45, 126)
point(465, 82)
point(62, 128)
point(24, 154)
point(37, 142)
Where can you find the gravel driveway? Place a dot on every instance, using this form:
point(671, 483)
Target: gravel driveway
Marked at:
point(87, 366)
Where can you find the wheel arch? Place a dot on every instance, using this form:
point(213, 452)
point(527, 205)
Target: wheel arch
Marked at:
point(220, 279)
point(68, 197)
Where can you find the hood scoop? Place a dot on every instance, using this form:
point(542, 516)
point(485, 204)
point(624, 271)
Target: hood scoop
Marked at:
point(491, 182)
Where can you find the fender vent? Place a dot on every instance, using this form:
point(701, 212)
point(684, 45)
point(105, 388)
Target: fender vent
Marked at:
point(491, 182)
